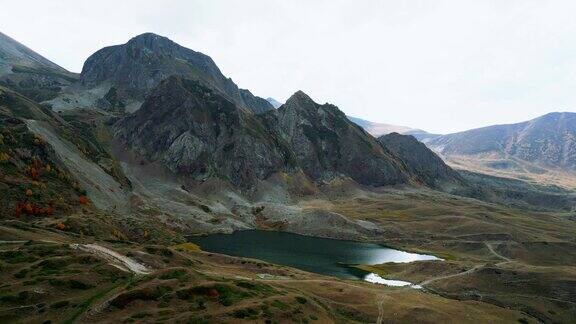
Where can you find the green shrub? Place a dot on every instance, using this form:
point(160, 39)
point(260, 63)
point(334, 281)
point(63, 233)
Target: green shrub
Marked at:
point(245, 312)
point(16, 257)
point(301, 300)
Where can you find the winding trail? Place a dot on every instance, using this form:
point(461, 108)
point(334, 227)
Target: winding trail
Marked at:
point(491, 249)
point(428, 281)
point(380, 310)
point(120, 261)
point(474, 269)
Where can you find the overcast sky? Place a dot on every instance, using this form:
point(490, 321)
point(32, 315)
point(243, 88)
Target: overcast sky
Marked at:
point(442, 66)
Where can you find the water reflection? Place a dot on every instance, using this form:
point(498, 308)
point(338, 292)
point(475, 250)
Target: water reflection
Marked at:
point(319, 255)
point(375, 278)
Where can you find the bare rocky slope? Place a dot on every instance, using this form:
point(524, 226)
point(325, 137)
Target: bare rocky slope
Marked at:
point(421, 160)
point(327, 145)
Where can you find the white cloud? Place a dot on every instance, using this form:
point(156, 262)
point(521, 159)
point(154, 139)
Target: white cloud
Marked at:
point(438, 65)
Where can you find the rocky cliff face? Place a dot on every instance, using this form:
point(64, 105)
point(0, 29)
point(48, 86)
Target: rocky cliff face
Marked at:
point(327, 144)
point(138, 66)
point(548, 140)
point(420, 160)
point(195, 131)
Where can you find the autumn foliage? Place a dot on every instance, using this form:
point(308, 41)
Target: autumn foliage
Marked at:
point(83, 200)
point(212, 293)
point(28, 208)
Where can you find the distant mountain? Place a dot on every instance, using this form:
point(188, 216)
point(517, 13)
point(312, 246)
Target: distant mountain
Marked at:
point(275, 103)
point(25, 71)
point(379, 129)
point(420, 160)
point(548, 141)
point(122, 75)
point(421, 135)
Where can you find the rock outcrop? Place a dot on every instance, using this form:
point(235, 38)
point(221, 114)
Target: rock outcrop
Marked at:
point(327, 144)
point(420, 160)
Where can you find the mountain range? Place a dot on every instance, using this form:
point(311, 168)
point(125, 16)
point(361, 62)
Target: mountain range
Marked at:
point(170, 108)
point(542, 149)
point(106, 175)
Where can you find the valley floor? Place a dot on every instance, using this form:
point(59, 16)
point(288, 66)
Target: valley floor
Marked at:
point(46, 278)
point(501, 265)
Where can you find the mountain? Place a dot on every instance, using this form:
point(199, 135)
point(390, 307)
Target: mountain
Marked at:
point(379, 129)
point(327, 144)
point(25, 71)
point(122, 75)
point(420, 160)
point(193, 130)
point(549, 141)
point(275, 103)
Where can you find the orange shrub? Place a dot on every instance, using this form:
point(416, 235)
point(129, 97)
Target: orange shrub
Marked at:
point(34, 173)
point(83, 200)
point(29, 208)
point(19, 209)
point(212, 293)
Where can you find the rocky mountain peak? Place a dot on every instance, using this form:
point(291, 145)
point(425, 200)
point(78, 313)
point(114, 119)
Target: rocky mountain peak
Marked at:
point(154, 43)
point(135, 68)
point(328, 145)
point(300, 99)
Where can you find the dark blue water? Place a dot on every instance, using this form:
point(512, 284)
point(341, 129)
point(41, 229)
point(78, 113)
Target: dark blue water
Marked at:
point(319, 255)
